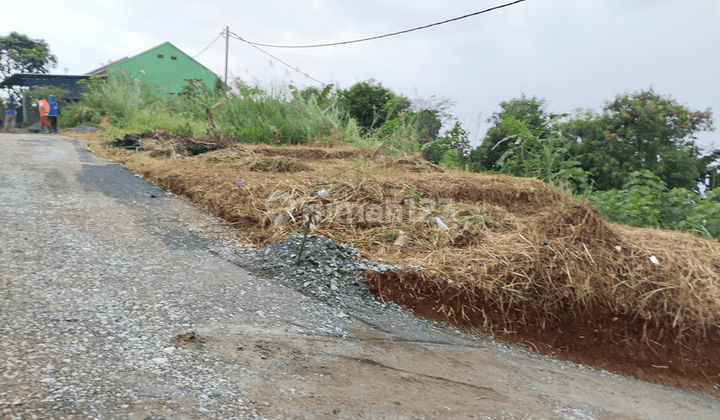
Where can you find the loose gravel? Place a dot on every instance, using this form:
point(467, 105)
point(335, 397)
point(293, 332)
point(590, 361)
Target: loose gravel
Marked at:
point(103, 274)
point(329, 272)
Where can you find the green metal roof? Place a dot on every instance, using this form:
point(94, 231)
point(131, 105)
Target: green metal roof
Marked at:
point(164, 66)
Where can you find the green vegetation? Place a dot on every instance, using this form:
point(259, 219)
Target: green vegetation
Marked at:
point(451, 150)
point(33, 94)
point(247, 114)
point(637, 161)
point(20, 54)
point(640, 131)
point(645, 201)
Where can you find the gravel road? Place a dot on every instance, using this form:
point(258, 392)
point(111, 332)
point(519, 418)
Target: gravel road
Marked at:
point(121, 301)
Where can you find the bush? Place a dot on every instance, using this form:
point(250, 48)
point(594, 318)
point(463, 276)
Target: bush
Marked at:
point(645, 202)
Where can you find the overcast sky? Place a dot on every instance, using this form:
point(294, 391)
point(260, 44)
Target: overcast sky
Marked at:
point(572, 53)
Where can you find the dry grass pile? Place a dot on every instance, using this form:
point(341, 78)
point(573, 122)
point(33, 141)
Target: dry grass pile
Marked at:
point(516, 255)
point(309, 153)
point(409, 163)
point(161, 143)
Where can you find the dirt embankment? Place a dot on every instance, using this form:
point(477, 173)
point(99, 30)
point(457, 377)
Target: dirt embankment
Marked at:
point(512, 257)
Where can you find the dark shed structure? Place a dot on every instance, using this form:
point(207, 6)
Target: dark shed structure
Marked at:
point(66, 82)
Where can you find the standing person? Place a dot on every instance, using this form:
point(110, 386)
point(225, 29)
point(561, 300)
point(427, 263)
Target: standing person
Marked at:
point(43, 109)
point(10, 114)
point(52, 113)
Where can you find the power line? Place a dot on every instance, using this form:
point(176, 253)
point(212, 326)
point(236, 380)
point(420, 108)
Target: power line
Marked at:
point(386, 35)
point(216, 38)
point(234, 35)
point(257, 45)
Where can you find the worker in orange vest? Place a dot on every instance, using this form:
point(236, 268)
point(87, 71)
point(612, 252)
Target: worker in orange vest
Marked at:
point(43, 109)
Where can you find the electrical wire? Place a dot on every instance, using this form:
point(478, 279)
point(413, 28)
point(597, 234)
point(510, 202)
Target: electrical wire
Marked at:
point(257, 45)
point(216, 38)
point(386, 35)
point(234, 35)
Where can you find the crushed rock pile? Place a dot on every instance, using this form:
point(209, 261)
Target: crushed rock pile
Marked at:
point(329, 272)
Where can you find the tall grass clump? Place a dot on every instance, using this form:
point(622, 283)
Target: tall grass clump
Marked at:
point(115, 102)
point(150, 118)
point(400, 136)
point(123, 104)
point(254, 116)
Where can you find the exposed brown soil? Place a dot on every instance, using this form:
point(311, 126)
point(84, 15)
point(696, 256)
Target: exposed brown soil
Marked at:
point(603, 342)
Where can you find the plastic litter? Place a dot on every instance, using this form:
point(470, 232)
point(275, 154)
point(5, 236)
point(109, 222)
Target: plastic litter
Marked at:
point(401, 240)
point(654, 260)
point(239, 184)
point(440, 223)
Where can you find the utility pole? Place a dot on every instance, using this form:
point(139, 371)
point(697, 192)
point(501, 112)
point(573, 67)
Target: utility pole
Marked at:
point(227, 41)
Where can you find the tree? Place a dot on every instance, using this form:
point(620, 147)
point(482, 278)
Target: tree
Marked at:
point(321, 97)
point(711, 177)
point(451, 150)
point(395, 107)
point(540, 153)
point(528, 113)
point(430, 116)
point(20, 54)
point(428, 123)
point(641, 131)
point(371, 104)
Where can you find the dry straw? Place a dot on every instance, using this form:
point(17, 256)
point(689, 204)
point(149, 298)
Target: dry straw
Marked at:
point(515, 251)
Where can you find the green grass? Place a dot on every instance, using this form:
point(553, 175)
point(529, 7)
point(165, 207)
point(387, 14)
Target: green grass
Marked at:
point(249, 114)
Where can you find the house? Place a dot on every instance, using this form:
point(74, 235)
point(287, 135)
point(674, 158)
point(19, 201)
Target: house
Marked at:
point(164, 67)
